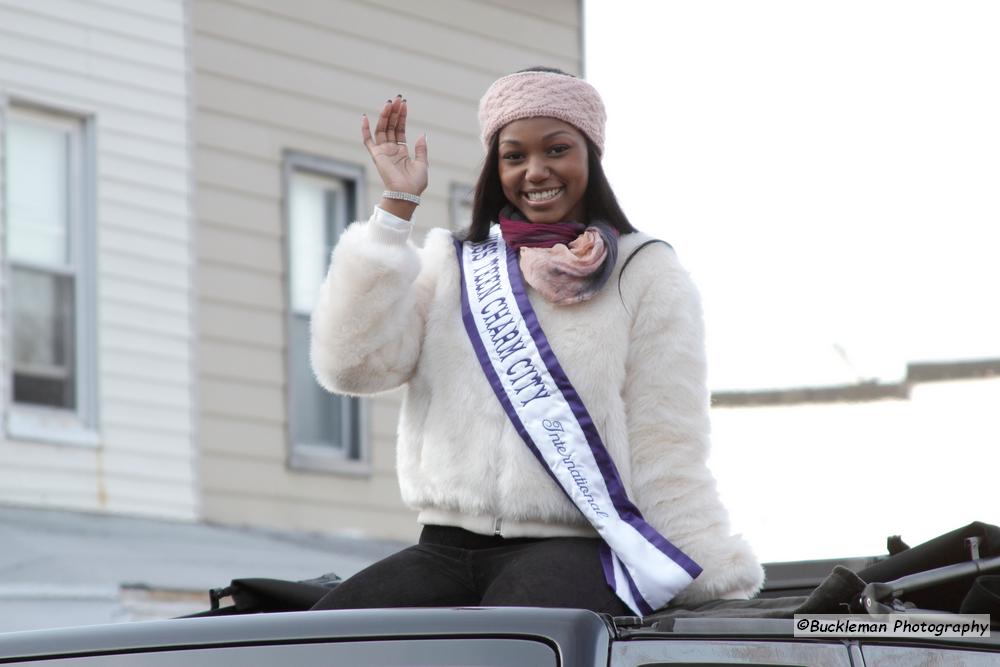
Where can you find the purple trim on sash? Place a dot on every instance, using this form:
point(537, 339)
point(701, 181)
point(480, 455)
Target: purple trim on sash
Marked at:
point(644, 607)
point(625, 508)
point(606, 565)
point(484, 360)
point(609, 576)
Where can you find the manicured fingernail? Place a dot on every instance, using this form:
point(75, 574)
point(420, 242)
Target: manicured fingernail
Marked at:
point(404, 99)
point(388, 101)
point(400, 95)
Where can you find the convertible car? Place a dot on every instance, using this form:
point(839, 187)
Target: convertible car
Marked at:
point(257, 622)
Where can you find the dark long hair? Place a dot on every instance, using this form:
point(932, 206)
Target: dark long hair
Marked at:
point(599, 199)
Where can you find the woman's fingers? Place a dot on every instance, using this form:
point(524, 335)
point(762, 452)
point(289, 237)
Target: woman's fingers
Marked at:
point(401, 127)
point(420, 149)
point(383, 122)
point(366, 133)
point(390, 132)
point(391, 126)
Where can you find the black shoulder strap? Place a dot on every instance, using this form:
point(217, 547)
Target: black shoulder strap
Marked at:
point(631, 257)
point(636, 252)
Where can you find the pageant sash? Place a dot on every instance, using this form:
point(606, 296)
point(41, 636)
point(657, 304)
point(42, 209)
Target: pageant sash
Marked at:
point(645, 570)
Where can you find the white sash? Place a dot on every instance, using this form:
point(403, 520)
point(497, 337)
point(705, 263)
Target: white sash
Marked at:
point(644, 569)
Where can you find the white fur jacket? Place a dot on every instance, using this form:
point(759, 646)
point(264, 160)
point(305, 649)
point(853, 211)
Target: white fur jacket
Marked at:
point(389, 314)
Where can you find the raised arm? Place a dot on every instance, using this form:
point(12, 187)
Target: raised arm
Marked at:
point(368, 322)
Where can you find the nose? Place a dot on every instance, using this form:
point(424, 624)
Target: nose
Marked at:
point(537, 171)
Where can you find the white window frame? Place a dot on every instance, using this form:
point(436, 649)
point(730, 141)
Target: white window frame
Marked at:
point(306, 456)
point(37, 423)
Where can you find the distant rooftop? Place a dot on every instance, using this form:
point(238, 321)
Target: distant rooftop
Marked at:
point(916, 373)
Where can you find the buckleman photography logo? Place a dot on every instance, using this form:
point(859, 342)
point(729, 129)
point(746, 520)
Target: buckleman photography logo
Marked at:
point(892, 625)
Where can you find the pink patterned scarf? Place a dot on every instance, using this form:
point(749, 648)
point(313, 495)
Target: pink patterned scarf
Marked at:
point(567, 262)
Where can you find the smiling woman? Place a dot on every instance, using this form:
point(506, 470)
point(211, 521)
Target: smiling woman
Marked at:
point(554, 435)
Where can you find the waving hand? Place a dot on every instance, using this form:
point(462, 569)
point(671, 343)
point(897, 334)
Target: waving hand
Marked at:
point(399, 172)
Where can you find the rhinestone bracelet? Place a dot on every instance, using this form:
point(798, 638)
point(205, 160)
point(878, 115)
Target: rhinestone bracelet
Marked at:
point(405, 196)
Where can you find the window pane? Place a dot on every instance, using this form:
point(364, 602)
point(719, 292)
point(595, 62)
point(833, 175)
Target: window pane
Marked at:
point(37, 166)
point(317, 207)
point(43, 324)
point(317, 415)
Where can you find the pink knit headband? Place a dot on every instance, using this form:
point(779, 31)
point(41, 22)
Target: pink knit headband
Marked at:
point(532, 94)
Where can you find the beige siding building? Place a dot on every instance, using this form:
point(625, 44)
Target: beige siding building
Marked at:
point(98, 381)
point(279, 90)
point(174, 176)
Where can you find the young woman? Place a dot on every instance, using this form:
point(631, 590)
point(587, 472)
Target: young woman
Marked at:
point(554, 431)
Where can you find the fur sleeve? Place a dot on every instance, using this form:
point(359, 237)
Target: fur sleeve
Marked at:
point(368, 323)
point(667, 403)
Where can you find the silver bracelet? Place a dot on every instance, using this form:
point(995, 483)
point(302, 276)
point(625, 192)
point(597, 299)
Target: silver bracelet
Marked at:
point(405, 196)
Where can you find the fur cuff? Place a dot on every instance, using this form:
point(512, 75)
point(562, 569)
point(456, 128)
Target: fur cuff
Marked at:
point(731, 572)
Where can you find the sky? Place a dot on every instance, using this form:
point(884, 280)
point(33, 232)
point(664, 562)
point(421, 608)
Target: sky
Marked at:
point(829, 172)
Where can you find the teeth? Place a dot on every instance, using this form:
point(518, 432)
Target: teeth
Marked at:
point(542, 195)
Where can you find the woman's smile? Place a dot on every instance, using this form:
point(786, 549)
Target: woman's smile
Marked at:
point(543, 196)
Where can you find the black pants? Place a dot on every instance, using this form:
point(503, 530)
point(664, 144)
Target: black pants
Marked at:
point(453, 567)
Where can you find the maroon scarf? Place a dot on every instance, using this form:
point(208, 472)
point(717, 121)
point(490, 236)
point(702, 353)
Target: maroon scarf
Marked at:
point(523, 234)
point(567, 262)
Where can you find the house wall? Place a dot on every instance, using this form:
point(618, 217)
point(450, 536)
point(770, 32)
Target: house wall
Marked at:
point(124, 66)
point(297, 75)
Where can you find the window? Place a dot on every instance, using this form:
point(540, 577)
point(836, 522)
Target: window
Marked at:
point(386, 652)
point(321, 199)
point(460, 205)
point(49, 275)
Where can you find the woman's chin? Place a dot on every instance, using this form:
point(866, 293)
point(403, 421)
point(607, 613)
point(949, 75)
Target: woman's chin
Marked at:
point(540, 216)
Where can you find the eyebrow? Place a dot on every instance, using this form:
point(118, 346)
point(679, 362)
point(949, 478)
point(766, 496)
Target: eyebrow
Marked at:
point(545, 138)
